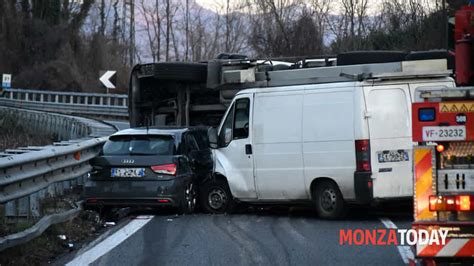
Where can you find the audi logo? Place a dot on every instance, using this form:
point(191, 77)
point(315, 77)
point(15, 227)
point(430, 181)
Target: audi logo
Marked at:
point(129, 161)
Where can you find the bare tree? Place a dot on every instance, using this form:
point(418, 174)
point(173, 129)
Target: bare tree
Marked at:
point(349, 27)
point(152, 19)
point(168, 29)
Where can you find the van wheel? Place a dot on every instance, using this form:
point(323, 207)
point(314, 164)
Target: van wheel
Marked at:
point(328, 200)
point(188, 202)
point(216, 197)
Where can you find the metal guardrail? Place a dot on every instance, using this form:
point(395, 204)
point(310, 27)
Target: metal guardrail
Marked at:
point(30, 174)
point(37, 229)
point(25, 174)
point(113, 105)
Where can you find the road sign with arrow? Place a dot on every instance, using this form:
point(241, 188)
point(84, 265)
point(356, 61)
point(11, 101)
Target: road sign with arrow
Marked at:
point(108, 79)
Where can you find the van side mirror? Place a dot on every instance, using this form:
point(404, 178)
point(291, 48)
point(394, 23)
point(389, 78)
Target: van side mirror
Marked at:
point(212, 135)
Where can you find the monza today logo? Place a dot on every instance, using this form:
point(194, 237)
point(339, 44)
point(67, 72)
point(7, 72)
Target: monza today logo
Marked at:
point(388, 237)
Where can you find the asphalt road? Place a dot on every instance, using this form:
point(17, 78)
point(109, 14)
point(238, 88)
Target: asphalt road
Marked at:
point(270, 236)
point(254, 236)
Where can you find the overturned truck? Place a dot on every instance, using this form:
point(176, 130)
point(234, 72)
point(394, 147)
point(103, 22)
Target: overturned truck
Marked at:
point(191, 94)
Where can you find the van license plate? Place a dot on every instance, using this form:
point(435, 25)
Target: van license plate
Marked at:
point(127, 172)
point(392, 156)
point(444, 133)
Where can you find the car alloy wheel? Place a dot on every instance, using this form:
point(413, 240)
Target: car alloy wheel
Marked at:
point(190, 197)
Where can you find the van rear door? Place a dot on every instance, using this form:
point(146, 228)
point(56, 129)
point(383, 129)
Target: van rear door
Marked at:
point(389, 120)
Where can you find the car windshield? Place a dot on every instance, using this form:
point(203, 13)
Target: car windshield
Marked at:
point(139, 145)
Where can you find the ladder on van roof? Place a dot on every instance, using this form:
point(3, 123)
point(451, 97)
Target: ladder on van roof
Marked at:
point(245, 74)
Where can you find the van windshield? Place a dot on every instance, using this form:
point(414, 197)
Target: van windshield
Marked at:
point(139, 145)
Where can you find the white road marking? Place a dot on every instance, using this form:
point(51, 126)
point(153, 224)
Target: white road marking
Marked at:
point(110, 242)
point(405, 251)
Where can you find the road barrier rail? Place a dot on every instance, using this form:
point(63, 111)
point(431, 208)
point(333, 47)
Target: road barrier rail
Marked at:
point(31, 175)
point(96, 104)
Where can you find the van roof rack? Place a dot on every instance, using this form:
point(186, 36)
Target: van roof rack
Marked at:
point(247, 76)
point(457, 93)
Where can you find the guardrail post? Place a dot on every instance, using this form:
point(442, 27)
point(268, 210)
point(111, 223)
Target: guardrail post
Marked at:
point(23, 207)
point(41, 97)
point(56, 98)
point(10, 209)
point(101, 100)
point(34, 205)
point(51, 191)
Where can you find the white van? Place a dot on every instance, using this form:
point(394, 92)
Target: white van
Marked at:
point(328, 143)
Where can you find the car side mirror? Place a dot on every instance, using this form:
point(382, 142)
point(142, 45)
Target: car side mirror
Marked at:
point(212, 135)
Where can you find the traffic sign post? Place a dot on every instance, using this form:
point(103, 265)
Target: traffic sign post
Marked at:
point(6, 80)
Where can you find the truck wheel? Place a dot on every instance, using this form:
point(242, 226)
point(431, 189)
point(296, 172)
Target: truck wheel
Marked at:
point(216, 197)
point(328, 200)
point(189, 199)
point(178, 71)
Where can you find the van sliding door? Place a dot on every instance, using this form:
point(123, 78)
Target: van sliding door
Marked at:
point(277, 145)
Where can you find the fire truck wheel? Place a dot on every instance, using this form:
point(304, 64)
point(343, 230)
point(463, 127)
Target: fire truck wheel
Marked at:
point(328, 200)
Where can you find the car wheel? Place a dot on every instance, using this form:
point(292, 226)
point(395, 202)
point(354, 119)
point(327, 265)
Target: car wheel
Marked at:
point(216, 197)
point(328, 200)
point(189, 200)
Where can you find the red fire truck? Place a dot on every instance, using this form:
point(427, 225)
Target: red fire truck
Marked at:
point(443, 156)
point(443, 128)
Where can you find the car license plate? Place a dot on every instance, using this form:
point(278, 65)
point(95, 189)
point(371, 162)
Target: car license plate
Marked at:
point(392, 156)
point(127, 172)
point(444, 133)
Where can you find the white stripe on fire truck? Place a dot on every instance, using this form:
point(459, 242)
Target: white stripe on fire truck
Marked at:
point(452, 247)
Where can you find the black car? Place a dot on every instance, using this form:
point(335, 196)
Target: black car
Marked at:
point(150, 167)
